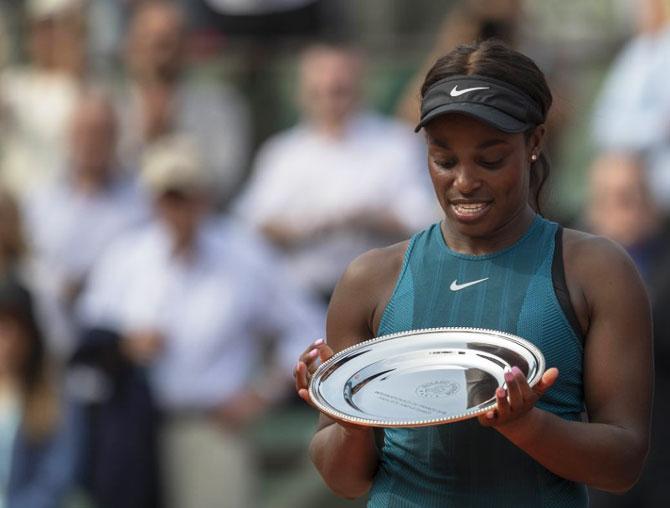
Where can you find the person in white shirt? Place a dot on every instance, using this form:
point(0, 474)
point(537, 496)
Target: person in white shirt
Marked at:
point(162, 96)
point(37, 99)
point(193, 296)
point(70, 221)
point(342, 181)
point(632, 111)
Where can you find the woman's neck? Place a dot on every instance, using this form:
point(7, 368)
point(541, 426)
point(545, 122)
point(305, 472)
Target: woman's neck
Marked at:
point(507, 234)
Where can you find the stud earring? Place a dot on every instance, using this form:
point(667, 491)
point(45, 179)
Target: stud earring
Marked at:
point(533, 157)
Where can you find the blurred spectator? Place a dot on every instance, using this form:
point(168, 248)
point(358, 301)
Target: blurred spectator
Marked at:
point(40, 434)
point(161, 98)
point(621, 207)
point(193, 296)
point(15, 262)
point(33, 142)
point(320, 190)
point(466, 22)
point(633, 110)
point(70, 221)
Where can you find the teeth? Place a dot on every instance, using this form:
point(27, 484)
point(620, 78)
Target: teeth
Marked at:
point(469, 208)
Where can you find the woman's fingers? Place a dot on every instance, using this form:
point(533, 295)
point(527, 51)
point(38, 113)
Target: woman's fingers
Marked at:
point(309, 352)
point(502, 402)
point(325, 352)
point(300, 374)
point(303, 393)
point(515, 395)
point(307, 364)
point(548, 379)
point(317, 349)
point(491, 417)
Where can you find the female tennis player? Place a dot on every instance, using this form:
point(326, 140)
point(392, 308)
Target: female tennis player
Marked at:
point(495, 262)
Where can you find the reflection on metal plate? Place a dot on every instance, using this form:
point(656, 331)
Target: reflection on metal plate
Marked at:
point(421, 377)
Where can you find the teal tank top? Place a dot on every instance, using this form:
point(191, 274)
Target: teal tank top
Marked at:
point(465, 465)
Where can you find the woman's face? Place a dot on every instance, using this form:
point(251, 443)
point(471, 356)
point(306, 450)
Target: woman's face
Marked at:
point(481, 178)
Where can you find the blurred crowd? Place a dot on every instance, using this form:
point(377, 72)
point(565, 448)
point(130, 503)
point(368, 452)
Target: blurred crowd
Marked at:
point(163, 261)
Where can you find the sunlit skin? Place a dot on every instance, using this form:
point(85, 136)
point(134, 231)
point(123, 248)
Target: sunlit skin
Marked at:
point(481, 178)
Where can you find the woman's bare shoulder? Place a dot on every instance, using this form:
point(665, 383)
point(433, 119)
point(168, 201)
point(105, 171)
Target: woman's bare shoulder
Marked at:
point(599, 268)
point(589, 252)
point(376, 265)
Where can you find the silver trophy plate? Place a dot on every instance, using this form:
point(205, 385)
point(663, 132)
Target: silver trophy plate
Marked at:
point(421, 377)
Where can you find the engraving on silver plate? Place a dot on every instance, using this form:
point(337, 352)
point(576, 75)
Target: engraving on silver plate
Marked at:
point(437, 389)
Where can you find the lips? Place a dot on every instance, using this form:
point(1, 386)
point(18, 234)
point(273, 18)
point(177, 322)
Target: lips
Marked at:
point(469, 210)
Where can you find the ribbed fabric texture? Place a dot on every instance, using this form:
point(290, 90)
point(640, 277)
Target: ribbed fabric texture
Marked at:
point(464, 464)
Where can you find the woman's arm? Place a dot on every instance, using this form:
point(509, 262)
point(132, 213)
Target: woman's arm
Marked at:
point(609, 450)
point(344, 454)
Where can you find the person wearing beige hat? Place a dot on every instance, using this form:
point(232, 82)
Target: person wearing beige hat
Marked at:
point(192, 294)
point(174, 176)
point(162, 95)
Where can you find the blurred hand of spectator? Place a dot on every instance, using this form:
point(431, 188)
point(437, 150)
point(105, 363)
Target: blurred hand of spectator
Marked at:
point(242, 409)
point(142, 346)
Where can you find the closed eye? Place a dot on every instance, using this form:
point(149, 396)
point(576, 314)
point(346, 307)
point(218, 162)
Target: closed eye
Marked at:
point(445, 163)
point(492, 164)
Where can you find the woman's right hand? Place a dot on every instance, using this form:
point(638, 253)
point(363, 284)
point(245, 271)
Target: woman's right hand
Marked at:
point(305, 368)
point(307, 364)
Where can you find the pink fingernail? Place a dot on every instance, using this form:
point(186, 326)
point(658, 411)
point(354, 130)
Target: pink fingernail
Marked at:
point(318, 342)
point(490, 415)
point(313, 353)
point(501, 393)
point(516, 370)
point(509, 376)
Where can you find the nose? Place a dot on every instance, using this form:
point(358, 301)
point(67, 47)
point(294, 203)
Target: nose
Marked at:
point(467, 180)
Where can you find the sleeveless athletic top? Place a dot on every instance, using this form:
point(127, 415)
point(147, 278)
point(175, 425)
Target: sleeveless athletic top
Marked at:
point(520, 290)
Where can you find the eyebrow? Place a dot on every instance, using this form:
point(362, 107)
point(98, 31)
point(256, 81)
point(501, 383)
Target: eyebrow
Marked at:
point(482, 146)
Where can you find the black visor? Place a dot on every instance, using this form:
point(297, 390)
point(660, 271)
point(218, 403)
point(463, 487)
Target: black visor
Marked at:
point(494, 102)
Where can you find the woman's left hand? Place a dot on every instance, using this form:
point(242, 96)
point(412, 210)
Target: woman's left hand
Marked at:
point(518, 399)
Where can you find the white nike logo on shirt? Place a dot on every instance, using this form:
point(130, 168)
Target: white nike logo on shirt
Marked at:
point(455, 286)
point(455, 92)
